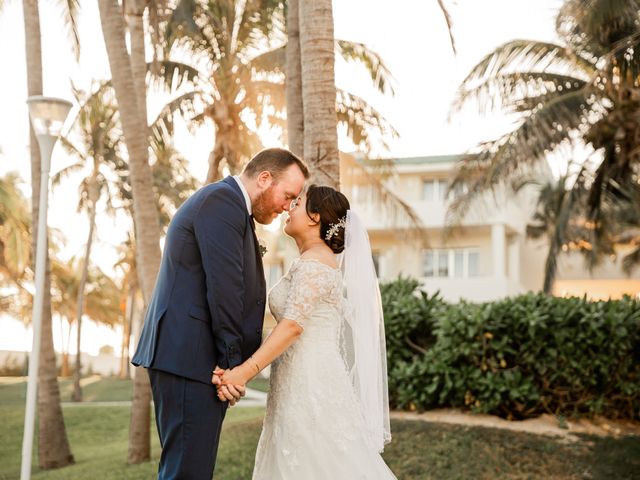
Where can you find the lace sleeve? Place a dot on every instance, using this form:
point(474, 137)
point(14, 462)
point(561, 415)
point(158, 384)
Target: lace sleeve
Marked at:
point(311, 282)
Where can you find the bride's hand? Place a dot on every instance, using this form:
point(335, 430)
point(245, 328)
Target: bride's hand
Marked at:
point(239, 375)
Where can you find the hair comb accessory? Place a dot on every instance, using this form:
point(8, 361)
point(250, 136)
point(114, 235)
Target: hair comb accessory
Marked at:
point(333, 228)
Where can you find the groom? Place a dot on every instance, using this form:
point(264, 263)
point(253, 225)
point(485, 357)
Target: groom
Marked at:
point(207, 307)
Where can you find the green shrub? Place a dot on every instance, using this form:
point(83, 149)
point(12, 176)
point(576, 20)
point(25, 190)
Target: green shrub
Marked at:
point(516, 358)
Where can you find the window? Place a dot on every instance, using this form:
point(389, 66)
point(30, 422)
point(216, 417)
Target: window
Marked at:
point(474, 261)
point(434, 190)
point(442, 189)
point(443, 263)
point(428, 190)
point(428, 264)
point(451, 263)
point(458, 263)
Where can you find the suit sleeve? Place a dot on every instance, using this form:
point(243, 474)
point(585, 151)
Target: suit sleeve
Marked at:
point(219, 227)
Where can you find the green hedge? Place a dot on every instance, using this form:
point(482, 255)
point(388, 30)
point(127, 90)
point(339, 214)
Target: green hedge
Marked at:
point(517, 358)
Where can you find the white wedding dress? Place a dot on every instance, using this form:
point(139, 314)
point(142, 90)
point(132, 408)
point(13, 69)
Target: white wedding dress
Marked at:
point(314, 425)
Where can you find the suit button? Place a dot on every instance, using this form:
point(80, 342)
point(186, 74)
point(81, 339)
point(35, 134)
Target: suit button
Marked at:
point(259, 331)
point(259, 302)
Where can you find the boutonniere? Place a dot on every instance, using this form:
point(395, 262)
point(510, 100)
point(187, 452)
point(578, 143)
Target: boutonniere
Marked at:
point(262, 247)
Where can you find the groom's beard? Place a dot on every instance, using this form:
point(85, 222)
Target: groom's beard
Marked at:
point(264, 209)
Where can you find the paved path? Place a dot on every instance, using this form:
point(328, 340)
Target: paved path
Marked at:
point(542, 425)
point(253, 398)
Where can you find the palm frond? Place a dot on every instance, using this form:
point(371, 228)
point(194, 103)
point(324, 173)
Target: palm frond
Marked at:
point(364, 124)
point(57, 177)
point(449, 22)
point(71, 10)
point(497, 162)
point(172, 75)
point(516, 91)
point(366, 173)
point(378, 71)
point(272, 61)
point(528, 56)
point(185, 105)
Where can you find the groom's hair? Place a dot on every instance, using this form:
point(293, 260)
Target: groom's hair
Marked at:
point(274, 161)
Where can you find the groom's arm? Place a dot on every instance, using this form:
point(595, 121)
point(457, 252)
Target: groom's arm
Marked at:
point(219, 227)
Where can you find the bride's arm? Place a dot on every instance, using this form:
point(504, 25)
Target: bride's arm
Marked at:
point(282, 337)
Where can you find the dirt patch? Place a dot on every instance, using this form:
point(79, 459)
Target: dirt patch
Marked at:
point(544, 425)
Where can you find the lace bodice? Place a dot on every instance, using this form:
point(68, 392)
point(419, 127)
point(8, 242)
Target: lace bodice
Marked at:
point(309, 287)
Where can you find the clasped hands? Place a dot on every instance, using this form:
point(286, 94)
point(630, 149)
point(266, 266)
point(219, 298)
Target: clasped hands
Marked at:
point(230, 384)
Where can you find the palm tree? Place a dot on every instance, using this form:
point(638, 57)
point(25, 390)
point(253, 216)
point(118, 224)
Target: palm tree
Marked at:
point(146, 223)
point(584, 90)
point(346, 113)
point(15, 237)
point(96, 125)
point(130, 293)
point(559, 206)
point(237, 76)
point(53, 446)
point(101, 299)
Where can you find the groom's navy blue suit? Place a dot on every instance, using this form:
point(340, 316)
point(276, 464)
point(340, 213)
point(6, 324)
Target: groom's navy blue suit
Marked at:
point(206, 310)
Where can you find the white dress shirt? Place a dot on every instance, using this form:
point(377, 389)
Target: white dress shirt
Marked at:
point(247, 199)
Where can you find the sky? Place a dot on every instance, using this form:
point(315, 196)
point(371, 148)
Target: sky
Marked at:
point(410, 35)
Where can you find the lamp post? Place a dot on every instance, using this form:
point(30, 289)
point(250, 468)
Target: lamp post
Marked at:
point(47, 117)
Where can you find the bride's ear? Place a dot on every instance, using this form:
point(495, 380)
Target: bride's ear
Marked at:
point(315, 217)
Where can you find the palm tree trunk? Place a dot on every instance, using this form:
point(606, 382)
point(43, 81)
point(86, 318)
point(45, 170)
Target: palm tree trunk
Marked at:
point(317, 59)
point(550, 268)
point(93, 199)
point(134, 15)
point(64, 369)
point(146, 219)
point(53, 446)
point(293, 87)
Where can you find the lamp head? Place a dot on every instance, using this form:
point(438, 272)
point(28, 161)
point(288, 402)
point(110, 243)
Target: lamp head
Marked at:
point(48, 114)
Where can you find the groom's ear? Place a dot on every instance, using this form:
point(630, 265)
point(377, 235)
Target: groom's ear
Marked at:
point(264, 179)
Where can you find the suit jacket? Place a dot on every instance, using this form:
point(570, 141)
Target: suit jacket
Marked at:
point(207, 306)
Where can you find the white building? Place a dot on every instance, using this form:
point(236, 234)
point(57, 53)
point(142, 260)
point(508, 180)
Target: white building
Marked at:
point(488, 256)
point(485, 258)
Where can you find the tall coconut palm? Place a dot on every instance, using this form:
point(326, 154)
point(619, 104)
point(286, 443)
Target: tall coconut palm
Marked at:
point(294, 95)
point(237, 75)
point(97, 127)
point(146, 223)
point(53, 446)
point(583, 90)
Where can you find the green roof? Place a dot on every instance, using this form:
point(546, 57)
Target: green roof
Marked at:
point(416, 160)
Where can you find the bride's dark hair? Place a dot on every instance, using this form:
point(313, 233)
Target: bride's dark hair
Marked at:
point(332, 207)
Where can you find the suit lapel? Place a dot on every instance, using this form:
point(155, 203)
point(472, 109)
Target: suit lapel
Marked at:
point(256, 245)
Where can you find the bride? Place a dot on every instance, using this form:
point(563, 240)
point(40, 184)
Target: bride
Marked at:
point(327, 414)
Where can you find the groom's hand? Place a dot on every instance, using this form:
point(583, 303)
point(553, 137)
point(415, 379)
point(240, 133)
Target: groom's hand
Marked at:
point(216, 377)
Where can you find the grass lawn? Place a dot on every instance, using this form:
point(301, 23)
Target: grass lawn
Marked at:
point(98, 437)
